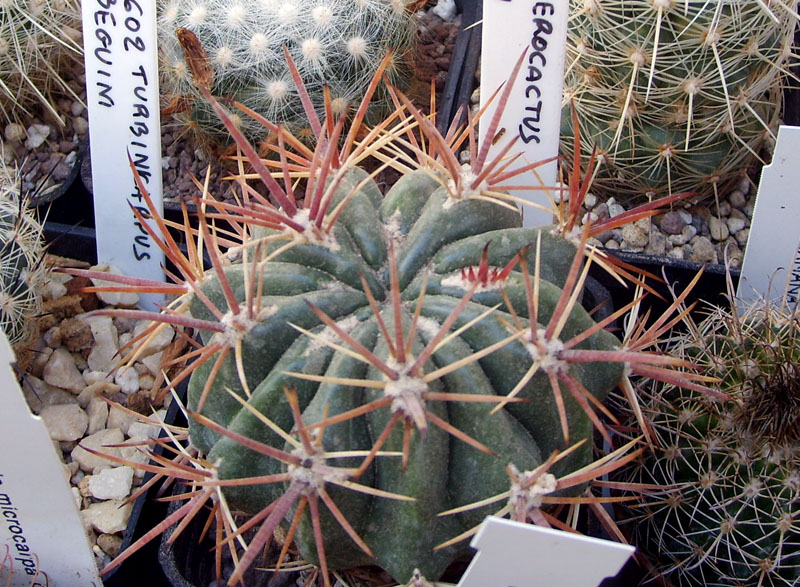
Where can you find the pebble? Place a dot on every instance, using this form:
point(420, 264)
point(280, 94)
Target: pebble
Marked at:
point(98, 415)
point(703, 250)
point(105, 348)
point(98, 441)
point(107, 517)
point(737, 199)
point(114, 483)
point(634, 235)
point(113, 298)
point(60, 371)
point(672, 223)
point(156, 341)
point(110, 544)
point(127, 378)
point(118, 418)
point(717, 228)
point(37, 135)
point(735, 224)
point(65, 421)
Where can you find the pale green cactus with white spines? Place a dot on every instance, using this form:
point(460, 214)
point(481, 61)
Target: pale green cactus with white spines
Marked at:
point(337, 44)
point(730, 470)
point(679, 95)
point(21, 266)
point(39, 39)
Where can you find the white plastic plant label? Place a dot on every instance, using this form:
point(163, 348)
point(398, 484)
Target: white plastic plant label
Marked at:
point(772, 257)
point(42, 541)
point(512, 554)
point(119, 39)
point(533, 112)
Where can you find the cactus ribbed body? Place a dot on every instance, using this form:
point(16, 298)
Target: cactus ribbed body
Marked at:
point(428, 236)
point(679, 96)
point(336, 44)
point(730, 469)
point(21, 267)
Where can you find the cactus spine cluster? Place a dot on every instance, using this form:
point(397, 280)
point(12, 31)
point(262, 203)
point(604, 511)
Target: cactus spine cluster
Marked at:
point(730, 469)
point(336, 44)
point(21, 262)
point(38, 40)
point(679, 96)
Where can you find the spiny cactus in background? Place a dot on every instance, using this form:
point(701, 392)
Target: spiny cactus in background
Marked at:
point(678, 95)
point(21, 262)
point(730, 469)
point(369, 362)
point(39, 39)
point(337, 45)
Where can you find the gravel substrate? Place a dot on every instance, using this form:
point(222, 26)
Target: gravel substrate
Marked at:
point(72, 373)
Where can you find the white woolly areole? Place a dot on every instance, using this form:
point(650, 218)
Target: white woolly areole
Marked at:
point(545, 351)
point(313, 472)
point(462, 189)
point(322, 15)
point(338, 106)
point(357, 47)
point(277, 90)
point(455, 280)
point(235, 16)
point(170, 13)
point(428, 326)
point(237, 326)
point(312, 50)
point(224, 56)
point(532, 496)
point(287, 13)
point(328, 335)
point(259, 43)
point(310, 234)
point(198, 15)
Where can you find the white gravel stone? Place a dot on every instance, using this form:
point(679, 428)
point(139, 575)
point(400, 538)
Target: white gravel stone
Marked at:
point(687, 218)
point(142, 431)
point(60, 371)
point(615, 210)
point(120, 419)
point(14, 132)
point(37, 135)
point(742, 236)
point(107, 517)
point(97, 441)
point(128, 380)
point(65, 421)
point(106, 343)
point(114, 483)
point(157, 342)
point(98, 415)
point(40, 394)
point(77, 495)
point(590, 201)
point(717, 228)
point(737, 199)
point(113, 298)
point(635, 235)
point(106, 388)
point(153, 362)
point(445, 9)
point(735, 224)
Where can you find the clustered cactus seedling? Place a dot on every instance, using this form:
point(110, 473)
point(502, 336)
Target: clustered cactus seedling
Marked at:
point(21, 262)
point(679, 95)
point(336, 44)
point(375, 371)
point(38, 40)
point(729, 469)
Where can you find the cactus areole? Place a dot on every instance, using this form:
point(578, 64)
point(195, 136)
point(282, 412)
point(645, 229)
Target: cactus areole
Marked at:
point(403, 330)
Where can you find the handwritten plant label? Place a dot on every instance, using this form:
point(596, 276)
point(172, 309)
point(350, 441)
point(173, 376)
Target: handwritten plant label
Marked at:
point(512, 554)
point(533, 112)
point(42, 541)
point(772, 257)
point(119, 38)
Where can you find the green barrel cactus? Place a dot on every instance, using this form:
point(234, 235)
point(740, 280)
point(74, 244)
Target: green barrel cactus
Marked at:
point(729, 469)
point(375, 371)
point(336, 44)
point(39, 40)
point(679, 96)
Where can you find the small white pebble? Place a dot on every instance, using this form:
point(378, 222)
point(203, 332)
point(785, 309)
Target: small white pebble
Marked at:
point(128, 380)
